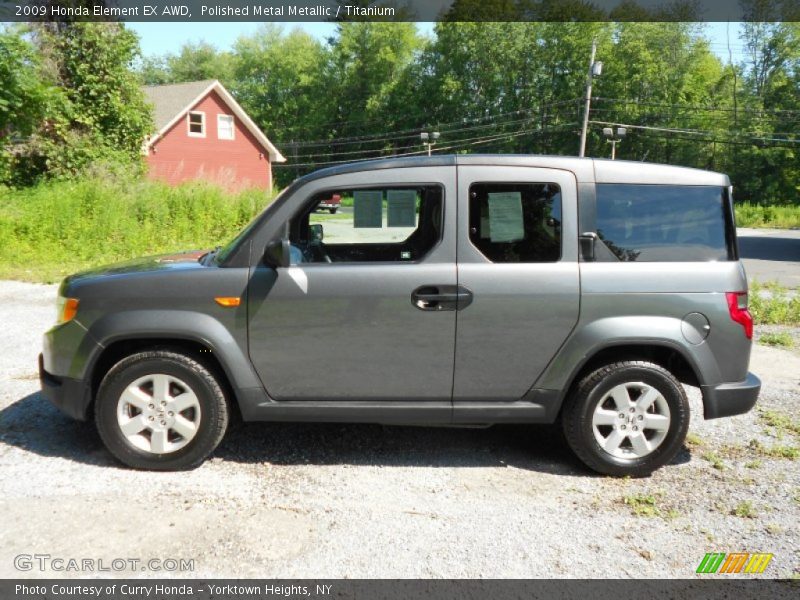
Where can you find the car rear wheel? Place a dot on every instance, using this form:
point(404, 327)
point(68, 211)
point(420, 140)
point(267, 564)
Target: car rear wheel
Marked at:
point(333, 210)
point(161, 410)
point(627, 418)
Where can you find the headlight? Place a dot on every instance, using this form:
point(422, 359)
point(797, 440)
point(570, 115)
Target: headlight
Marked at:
point(66, 309)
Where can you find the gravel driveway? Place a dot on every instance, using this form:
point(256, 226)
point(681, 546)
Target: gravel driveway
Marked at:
point(285, 500)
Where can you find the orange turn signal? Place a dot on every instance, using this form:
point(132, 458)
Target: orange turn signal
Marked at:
point(228, 300)
point(68, 309)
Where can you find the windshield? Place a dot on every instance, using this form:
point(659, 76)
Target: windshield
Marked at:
point(225, 251)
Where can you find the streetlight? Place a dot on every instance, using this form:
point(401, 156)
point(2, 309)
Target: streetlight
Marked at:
point(610, 136)
point(595, 70)
point(429, 139)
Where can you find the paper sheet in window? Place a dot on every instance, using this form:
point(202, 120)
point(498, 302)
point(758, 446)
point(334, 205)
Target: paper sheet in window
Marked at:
point(401, 206)
point(505, 217)
point(367, 209)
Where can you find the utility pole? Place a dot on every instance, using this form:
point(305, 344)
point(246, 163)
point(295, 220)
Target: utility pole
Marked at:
point(594, 70)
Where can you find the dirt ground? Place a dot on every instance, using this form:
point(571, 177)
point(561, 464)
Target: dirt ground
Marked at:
point(366, 501)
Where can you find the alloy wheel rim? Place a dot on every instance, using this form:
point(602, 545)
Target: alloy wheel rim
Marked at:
point(158, 413)
point(631, 420)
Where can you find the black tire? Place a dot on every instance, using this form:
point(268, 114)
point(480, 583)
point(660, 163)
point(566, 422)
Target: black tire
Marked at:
point(333, 210)
point(211, 426)
point(580, 407)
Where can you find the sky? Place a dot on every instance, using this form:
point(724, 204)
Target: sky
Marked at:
point(163, 38)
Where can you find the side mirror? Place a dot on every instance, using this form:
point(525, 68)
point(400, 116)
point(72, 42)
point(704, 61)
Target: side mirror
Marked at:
point(315, 233)
point(277, 254)
point(587, 241)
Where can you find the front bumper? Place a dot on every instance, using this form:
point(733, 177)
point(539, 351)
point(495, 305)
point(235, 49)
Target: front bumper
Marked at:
point(71, 396)
point(728, 399)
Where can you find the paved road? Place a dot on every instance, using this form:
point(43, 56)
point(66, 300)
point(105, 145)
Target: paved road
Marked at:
point(771, 254)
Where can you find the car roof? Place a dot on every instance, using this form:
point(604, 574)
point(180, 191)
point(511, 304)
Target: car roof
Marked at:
point(585, 169)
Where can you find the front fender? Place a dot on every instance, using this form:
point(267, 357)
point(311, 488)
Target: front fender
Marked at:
point(590, 338)
point(180, 325)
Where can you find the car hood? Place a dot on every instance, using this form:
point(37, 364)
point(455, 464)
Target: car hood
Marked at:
point(146, 264)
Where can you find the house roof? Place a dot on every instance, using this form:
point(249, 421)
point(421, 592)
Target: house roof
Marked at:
point(171, 102)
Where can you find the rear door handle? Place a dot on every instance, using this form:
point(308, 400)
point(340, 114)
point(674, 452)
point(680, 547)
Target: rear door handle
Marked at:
point(441, 297)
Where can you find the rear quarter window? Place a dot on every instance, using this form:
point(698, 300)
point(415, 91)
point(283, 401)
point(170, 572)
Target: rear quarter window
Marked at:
point(665, 223)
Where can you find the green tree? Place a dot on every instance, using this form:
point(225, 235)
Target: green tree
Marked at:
point(196, 61)
point(368, 61)
point(651, 72)
point(199, 61)
point(97, 113)
point(281, 80)
point(515, 86)
point(766, 163)
point(23, 96)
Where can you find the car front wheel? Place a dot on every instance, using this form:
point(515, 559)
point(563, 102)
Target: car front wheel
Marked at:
point(627, 418)
point(161, 410)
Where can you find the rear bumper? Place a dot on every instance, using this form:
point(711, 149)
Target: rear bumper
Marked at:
point(71, 396)
point(728, 399)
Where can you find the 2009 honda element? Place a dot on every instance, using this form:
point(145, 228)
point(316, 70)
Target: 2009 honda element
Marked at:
point(451, 290)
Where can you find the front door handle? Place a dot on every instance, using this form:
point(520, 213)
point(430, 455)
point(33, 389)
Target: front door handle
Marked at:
point(441, 297)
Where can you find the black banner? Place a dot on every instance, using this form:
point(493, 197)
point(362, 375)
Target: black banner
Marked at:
point(397, 589)
point(399, 10)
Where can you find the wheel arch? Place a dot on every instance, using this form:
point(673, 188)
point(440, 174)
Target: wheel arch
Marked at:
point(198, 335)
point(663, 353)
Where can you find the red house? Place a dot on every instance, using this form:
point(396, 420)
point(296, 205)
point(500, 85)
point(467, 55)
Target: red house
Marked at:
point(203, 133)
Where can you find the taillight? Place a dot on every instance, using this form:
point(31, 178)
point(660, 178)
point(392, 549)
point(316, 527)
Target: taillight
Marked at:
point(737, 307)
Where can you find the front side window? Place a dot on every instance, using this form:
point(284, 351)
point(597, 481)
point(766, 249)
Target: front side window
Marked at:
point(197, 124)
point(380, 224)
point(225, 127)
point(516, 222)
point(662, 223)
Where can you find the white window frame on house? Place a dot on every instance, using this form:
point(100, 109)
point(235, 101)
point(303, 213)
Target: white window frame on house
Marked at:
point(191, 133)
point(221, 117)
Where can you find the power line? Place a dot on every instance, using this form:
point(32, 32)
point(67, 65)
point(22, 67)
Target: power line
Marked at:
point(456, 146)
point(416, 130)
point(508, 123)
point(528, 120)
point(699, 132)
point(694, 106)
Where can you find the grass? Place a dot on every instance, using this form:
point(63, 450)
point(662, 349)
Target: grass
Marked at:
point(774, 529)
point(781, 451)
point(776, 451)
point(55, 228)
point(715, 460)
point(782, 339)
point(694, 440)
point(745, 510)
point(770, 304)
point(783, 423)
point(757, 215)
point(642, 505)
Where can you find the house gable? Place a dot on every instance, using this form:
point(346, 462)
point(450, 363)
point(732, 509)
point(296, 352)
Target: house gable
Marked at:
point(172, 103)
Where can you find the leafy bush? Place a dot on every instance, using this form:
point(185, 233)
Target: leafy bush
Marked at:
point(776, 339)
point(759, 215)
point(770, 304)
point(58, 227)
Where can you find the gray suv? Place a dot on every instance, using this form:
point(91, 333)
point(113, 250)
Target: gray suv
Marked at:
point(458, 290)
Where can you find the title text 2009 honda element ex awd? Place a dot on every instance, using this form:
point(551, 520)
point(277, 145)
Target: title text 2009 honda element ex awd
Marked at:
point(450, 290)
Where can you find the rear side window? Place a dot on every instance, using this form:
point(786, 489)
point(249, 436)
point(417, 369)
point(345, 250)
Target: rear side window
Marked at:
point(665, 223)
point(516, 222)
